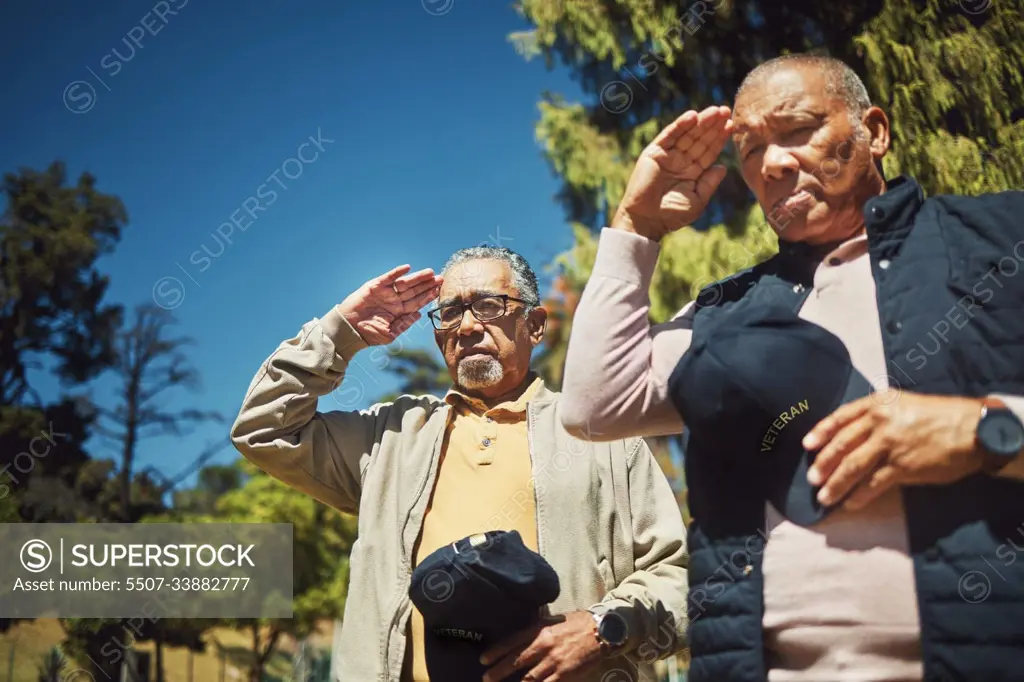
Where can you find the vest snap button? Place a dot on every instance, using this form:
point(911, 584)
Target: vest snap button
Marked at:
point(884, 264)
point(877, 212)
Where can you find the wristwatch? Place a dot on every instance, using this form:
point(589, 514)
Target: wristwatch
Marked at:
point(612, 630)
point(1000, 434)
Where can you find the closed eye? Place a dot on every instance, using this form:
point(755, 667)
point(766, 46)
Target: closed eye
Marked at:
point(751, 150)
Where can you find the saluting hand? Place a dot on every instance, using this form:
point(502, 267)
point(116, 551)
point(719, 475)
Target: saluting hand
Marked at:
point(386, 306)
point(676, 175)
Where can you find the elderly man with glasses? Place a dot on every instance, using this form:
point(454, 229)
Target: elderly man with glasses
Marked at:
point(424, 472)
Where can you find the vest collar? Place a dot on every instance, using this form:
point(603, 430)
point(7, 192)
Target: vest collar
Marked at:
point(888, 218)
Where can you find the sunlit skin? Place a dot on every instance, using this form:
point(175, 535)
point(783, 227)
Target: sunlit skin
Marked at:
point(808, 161)
point(510, 338)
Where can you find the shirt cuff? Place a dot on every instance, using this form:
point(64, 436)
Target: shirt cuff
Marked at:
point(626, 256)
point(347, 341)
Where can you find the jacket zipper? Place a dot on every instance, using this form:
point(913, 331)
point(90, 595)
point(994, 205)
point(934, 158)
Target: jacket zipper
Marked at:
point(404, 600)
point(533, 472)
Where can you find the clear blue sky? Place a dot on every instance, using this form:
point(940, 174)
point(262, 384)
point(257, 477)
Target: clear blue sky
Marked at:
point(430, 115)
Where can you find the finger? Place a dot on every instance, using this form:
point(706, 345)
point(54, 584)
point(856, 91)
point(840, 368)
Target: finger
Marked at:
point(823, 431)
point(869, 491)
point(416, 290)
point(403, 322)
point(668, 137)
point(516, 642)
point(420, 301)
point(709, 181)
point(414, 279)
point(534, 653)
point(855, 468)
point(541, 671)
point(706, 148)
point(845, 441)
point(513, 661)
point(714, 145)
point(708, 120)
point(392, 275)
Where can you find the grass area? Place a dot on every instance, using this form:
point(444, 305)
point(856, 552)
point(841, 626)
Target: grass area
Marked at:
point(30, 641)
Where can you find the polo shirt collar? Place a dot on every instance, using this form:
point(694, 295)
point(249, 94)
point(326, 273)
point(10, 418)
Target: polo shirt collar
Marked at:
point(456, 397)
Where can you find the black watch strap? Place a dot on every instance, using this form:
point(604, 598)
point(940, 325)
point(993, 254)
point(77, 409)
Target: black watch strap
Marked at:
point(1000, 435)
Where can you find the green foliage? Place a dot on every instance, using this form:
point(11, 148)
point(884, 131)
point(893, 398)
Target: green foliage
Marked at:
point(51, 317)
point(214, 481)
point(419, 371)
point(97, 643)
point(322, 541)
point(692, 260)
point(50, 291)
point(952, 85)
point(52, 666)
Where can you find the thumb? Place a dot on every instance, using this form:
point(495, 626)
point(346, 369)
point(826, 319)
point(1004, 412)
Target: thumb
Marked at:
point(709, 181)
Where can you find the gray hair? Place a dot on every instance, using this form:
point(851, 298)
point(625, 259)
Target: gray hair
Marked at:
point(840, 79)
point(523, 277)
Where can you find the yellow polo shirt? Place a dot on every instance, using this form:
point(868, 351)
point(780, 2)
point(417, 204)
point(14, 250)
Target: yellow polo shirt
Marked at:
point(484, 482)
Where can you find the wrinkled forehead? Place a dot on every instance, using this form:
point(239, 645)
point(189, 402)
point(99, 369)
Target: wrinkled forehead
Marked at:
point(784, 92)
point(473, 278)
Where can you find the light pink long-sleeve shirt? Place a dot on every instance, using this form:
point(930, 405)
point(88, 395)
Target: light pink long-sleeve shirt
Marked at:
point(840, 599)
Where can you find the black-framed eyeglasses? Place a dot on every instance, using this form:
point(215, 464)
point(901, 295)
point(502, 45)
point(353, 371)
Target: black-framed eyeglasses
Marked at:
point(485, 309)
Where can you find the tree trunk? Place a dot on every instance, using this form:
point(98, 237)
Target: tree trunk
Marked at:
point(127, 456)
point(256, 670)
point(261, 654)
point(159, 658)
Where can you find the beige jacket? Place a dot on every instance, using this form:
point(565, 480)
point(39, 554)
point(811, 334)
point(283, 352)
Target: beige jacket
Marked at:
point(606, 518)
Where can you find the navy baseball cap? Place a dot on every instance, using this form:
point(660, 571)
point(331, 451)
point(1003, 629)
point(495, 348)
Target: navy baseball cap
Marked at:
point(755, 386)
point(474, 593)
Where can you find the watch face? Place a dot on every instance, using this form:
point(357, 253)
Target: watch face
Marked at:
point(1001, 433)
point(613, 628)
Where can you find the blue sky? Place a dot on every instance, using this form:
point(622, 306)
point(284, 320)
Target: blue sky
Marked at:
point(421, 116)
